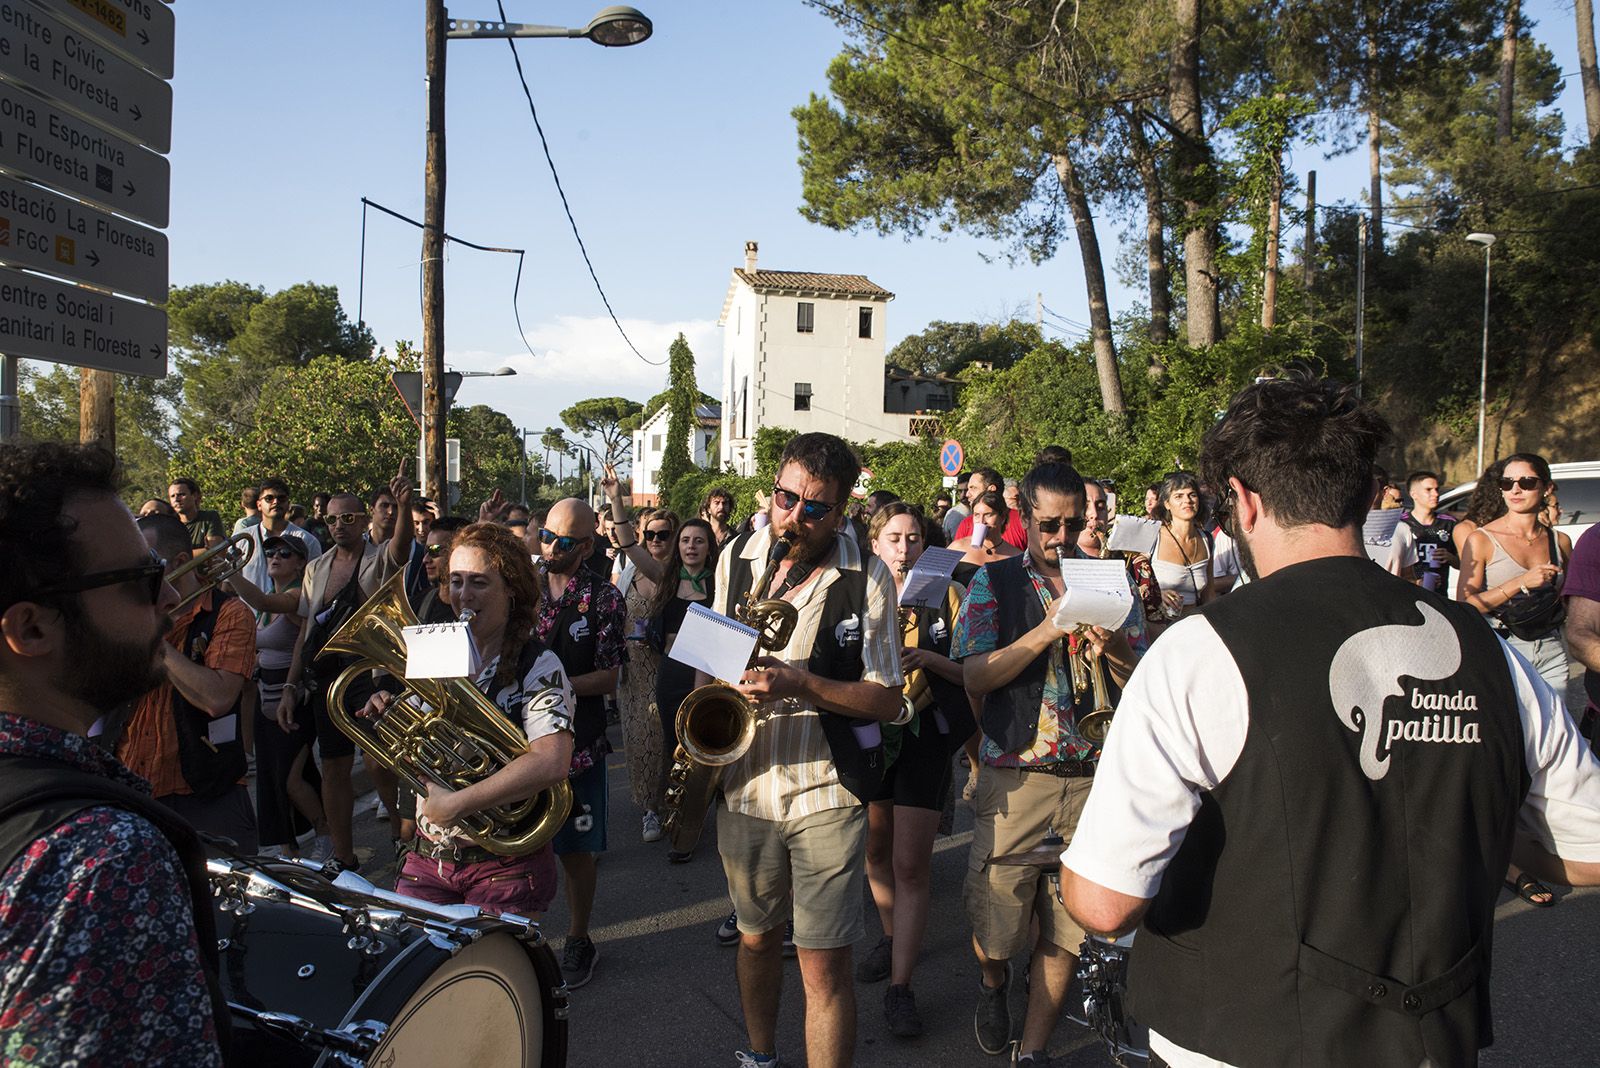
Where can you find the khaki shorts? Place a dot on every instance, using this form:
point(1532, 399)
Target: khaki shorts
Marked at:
point(812, 865)
point(1015, 811)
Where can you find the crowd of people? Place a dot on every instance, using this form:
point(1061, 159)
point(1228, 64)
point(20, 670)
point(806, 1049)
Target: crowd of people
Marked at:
point(1301, 690)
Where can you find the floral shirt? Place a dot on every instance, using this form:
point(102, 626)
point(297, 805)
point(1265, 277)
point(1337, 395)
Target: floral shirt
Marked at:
point(99, 963)
point(977, 630)
point(605, 616)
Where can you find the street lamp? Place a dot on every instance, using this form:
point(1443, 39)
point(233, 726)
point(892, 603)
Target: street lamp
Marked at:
point(1487, 241)
point(498, 372)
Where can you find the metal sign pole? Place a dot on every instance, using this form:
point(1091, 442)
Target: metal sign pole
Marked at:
point(10, 398)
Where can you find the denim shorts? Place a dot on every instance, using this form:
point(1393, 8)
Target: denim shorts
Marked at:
point(585, 829)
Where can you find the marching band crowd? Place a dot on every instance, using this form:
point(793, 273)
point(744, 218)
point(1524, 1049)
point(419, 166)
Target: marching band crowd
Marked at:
point(1296, 700)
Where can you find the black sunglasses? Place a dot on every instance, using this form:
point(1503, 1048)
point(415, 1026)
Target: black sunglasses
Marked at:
point(153, 575)
point(562, 543)
point(1074, 525)
point(1527, 482)
point(657, 535)
point(787, 499)
point(278, 554)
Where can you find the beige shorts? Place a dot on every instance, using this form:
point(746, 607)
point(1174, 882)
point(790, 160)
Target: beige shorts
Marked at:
point(1016, 809)
point(812, 865)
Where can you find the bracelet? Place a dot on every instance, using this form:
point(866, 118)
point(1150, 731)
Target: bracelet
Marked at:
point(908, 712)
point(630, 545)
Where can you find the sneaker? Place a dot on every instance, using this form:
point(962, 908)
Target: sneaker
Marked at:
point(679, 856)
point(992, 1019)
point(321, 849)
point(874, 967)
point(1037, 1059)
point(652, 827)
point(377, 809)
point(728, 933)
point(900, 1009)
point(577, 961)
point(750, 1059)
point(788, 939)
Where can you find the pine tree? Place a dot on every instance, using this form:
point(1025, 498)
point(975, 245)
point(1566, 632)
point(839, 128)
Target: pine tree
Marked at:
point(682, 395)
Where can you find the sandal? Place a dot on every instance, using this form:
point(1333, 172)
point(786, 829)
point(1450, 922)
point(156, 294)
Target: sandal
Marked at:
point(1528, 888)
point(970, 791)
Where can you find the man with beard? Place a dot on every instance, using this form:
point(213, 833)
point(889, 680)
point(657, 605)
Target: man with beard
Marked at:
point(793, 834)
point(581, 618)
point(195, 766)
point(718, 511)
point(107, 945)
point(1312, 821)
point(1037, 767)
point(272, 505)
point(335, 585)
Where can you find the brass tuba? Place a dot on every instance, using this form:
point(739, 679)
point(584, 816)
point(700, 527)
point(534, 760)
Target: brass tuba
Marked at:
point(457, 737)
point(716, 723)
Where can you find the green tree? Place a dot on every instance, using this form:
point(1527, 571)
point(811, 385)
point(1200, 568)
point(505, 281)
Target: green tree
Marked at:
point(603, 418)
point(143, 409)
point(943, 348)
point(677, 460)
point(490, 455)
point(228, 339)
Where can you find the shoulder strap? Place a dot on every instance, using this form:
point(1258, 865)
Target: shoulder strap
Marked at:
point(1555, 546)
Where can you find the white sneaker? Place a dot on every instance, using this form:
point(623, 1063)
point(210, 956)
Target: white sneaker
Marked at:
point(652, 827)
point(321, 849)
point(377, 809)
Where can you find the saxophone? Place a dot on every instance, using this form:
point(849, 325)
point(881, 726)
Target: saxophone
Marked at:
point(716, 723)
point(916, 685)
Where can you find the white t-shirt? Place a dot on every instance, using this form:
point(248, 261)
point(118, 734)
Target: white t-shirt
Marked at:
point(1181, 726)
point(1224, 557)
point(256, 569)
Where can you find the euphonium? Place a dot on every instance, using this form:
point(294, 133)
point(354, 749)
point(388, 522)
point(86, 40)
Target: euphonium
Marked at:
point(457, 737)
point(1089, 673)
point(216, 565)
point(716, 723)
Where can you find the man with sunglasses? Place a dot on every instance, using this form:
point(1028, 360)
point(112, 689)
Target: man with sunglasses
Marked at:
point(793, 835)
point(1314, 786)
point(1035, 767)
point(272, 505)
point(107, 948)
point(582, 618)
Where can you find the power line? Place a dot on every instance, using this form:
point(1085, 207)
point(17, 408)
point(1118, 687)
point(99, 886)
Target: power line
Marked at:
point(516, 57)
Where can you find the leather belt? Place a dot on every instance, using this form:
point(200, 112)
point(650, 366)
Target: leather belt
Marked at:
point(467, 854)
point(1063, 769)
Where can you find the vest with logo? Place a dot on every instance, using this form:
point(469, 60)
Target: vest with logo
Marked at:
point(574, 639)
point(934, 626)
point(835, 654)
point(1333, 900)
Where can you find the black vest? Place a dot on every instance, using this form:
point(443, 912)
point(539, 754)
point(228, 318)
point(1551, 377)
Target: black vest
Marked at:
point(1011, 713)
point(1333, 900)
point(210, 769)
point(835, 654)
point(934, 627)
point(574, 639)
point(38, 794)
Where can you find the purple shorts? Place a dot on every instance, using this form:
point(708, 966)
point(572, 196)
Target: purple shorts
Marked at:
point(523, 885)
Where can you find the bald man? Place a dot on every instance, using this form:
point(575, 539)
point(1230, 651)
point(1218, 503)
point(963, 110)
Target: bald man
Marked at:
point(581, 618)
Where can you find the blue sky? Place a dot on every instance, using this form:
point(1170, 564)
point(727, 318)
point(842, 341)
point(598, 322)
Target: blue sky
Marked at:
point(673, 153)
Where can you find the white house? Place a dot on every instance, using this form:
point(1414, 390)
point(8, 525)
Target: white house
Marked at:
point(650, 444)
point(804, 351)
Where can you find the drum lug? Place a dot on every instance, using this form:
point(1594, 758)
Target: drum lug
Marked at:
point(560, 1004)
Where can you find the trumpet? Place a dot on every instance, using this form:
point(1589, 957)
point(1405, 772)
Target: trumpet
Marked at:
point(1089, 674)
point(216, 565)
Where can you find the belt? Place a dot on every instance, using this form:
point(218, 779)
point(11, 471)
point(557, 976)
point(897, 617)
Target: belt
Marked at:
point(1063, 769)
point(455, 854)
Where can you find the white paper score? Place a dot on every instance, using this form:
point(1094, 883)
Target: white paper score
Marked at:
point(713, 643)
point(440, 651)
point(930, 576)
point(1097, 594)
point(1136, 534)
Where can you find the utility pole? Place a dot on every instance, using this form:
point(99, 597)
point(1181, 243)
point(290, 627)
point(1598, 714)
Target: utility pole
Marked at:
point(1361, 296)
point(97, 413)
point(1311, 230)
point(433, 398)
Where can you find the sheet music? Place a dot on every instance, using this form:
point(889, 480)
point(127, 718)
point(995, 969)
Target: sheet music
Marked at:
point(1135, 533)
point(713, 643)
point(223, 729)
point(1097, 594)
point(930, 576)
point(441, 651)
point(1380, 526)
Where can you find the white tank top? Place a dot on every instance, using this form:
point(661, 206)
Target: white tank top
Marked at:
point(1187, 580)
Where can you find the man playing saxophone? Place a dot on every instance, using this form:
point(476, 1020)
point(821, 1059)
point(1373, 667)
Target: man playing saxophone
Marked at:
point(795, 825)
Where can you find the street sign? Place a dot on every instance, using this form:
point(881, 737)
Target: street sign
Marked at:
point(43, 142)
point(862, 481)
point(68, 66)
point(60, 236)
point(951, 457)
point(949, 482)
point(139, 29)
point(409, 385)
point(45, 320)
point(452, 466)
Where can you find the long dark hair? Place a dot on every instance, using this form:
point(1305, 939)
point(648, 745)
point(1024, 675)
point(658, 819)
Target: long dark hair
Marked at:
point(1485, 503)
point(1175, 481)
point(667, 588)
point(511, 559)
point(995, 501)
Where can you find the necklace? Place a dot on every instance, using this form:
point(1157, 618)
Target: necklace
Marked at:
point(1183, 552)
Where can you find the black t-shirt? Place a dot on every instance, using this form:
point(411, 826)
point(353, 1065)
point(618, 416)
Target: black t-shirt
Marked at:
point(206, 524)
point(1433, 541)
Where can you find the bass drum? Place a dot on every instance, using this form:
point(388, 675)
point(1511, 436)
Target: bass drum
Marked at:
point(496, 1002)
point(1103, 979)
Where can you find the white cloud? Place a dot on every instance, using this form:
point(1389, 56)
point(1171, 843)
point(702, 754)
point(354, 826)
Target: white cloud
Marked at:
point(579, 358)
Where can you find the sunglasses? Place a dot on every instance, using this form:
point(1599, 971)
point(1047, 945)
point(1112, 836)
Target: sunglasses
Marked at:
point(271, 498)
point(1526, 482)
point(1050, 526)
point(153, 575)
point(279, 554)
point(786, 500)
point(657, 535)
point(344, 518)
point(435, 551)
point(562, 543)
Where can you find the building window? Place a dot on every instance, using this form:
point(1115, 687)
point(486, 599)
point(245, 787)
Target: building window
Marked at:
point(655, 442)
point(865, 323)
point(805, 317)
point(802, 396)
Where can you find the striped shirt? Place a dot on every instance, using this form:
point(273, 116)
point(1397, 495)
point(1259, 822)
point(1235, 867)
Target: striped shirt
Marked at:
point(789, 772)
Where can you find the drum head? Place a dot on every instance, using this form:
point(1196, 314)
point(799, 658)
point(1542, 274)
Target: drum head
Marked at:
point(488, 1006)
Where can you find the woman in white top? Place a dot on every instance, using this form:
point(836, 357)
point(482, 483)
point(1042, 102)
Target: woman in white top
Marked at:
point(1183, 553)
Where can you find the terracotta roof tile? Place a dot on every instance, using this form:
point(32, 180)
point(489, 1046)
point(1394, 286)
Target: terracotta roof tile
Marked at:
point(849, 285)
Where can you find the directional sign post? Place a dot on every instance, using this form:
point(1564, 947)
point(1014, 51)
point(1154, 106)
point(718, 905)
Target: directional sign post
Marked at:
point(58, 235)
point(45, 320)
point(951, 457)
point(141, 30)
point(68, 65)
